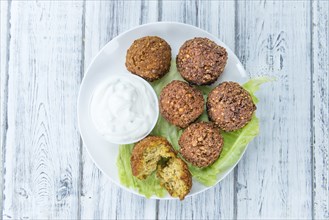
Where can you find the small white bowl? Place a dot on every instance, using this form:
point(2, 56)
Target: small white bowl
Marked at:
point(127, 139)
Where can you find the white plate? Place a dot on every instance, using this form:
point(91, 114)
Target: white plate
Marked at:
point(111, 60)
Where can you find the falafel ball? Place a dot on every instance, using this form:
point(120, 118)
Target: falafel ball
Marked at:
point(149, 57)
point(156, 153)
point(147, 153)
point(201, 61)
point(180, 103)
point(175, 177)
point(201, 144)
point(230, 106)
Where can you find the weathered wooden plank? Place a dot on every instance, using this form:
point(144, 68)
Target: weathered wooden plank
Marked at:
point(275, 176)
point(101, 199)
point(41, 155)
point(5, 38)
point(320, 45)
point(217, 18)
point(5, 8)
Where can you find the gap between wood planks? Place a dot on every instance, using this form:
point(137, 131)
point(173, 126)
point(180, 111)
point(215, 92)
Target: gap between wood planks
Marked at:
point(4, 108)
point(311, 107)
point(82, 71)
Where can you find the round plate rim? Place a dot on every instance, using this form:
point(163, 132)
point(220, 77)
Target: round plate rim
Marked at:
point(79, 100)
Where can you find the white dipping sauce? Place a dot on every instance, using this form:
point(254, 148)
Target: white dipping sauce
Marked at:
point(124, 109)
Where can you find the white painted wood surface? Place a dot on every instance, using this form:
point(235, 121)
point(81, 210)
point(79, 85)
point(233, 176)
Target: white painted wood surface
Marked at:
point(41, 153)
point(274, 178)
point(45, 47)
point(4, 34)
point(320, 108)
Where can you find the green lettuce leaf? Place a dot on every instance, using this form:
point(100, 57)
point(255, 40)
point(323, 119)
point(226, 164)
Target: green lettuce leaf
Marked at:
point(253, 85)
point(235, 143)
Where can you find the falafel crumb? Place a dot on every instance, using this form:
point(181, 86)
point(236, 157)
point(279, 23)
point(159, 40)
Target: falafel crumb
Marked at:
point(147, 154)
point(155, 153)
point(175, 177)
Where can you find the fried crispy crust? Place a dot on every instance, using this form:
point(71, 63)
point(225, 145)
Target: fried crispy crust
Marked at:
point(230, 106)
point(149, 57)
point(201, 61)
point(201, 144)
point(146, 157)
point(180, 103)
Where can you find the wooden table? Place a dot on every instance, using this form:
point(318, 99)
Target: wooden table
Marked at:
point(45, 49)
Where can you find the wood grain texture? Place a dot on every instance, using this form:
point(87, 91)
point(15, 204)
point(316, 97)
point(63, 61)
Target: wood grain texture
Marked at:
point(45, 47)
point(274, 177)
point(217, 18)
point(101, 199)
point(320, 113)
point(5, 8)
point(41, 160)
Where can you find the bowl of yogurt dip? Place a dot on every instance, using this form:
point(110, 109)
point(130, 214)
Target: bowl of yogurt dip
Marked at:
point(124, 108)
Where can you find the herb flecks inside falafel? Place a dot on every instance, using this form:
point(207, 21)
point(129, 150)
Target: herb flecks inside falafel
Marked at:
point(155, 153)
